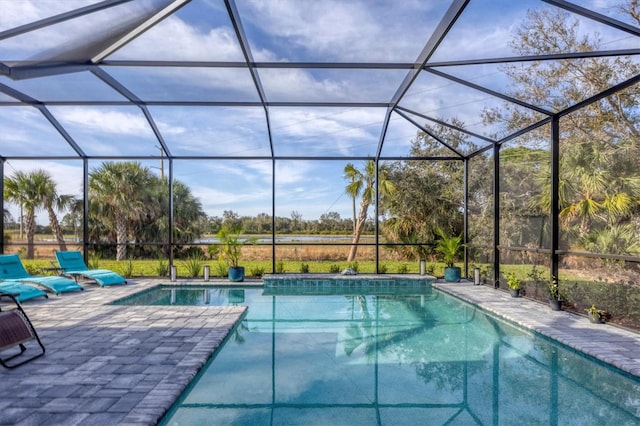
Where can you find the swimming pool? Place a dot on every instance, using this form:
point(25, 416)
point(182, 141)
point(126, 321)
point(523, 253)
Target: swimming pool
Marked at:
point(422, 358)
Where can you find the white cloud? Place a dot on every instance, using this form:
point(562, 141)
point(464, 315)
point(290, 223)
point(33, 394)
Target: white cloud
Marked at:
point(338, 30)
point(105, 120)
point(186, 43)
point(14, 13)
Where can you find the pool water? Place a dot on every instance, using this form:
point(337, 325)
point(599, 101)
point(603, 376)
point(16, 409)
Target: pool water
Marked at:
point(366, 359)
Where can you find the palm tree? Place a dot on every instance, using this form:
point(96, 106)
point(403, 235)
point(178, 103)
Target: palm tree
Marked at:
point(362, 184)
point(121, 195)
point(51, 202)
point(31, 191)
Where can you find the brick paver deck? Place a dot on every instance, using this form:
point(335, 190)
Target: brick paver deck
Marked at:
point(108, 364)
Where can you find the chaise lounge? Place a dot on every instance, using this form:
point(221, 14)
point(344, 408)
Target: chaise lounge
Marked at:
point(21, 291)
point(73, 265)
point(12, 269)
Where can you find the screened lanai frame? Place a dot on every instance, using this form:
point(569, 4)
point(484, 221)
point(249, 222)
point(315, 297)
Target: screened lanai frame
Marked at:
point(100, 60)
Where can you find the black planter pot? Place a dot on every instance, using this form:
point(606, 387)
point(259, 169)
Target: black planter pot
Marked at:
point(555, 304)
point(515, 292)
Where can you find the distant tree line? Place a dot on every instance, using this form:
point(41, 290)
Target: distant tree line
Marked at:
point(330, 223)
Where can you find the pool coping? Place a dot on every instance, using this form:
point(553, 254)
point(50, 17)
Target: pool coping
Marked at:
point(128, 364)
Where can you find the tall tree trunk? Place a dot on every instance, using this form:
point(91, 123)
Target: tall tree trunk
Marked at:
point(353, 203)
point(55, 227)
point(362, 217)
point(121, 236)
point(30, 225)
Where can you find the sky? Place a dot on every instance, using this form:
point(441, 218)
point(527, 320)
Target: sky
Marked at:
point(382, 31)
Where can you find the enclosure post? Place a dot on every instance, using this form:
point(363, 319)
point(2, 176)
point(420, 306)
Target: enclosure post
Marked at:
point(206, 272)
point(465, 186)
point(555, 188)
point(496, 215)
point(273, 216)
point(376, 222)
point(2, 206)
point(171, 224)
point(85, 209)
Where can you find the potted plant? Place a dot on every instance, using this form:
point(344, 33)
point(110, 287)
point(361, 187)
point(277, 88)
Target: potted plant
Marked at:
point(514, 284)
point(449, 248)
point(596, 315)
point(229, 250)
point(554, 294)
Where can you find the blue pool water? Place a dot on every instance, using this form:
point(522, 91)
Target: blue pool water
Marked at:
point(379, 359)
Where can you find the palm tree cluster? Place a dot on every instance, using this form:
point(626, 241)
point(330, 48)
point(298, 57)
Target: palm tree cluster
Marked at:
point(127, 204)
point(33, 191)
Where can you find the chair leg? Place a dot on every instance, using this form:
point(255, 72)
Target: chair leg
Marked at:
point(32, 335)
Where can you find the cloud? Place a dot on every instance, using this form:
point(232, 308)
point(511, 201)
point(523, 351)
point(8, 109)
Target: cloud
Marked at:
point(186, 43)
point(328, 131)
point(213, 131)
point(338, 30)
point(105, 120)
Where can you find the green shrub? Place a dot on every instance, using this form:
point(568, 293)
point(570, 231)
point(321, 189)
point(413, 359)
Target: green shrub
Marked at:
point(334, 269)
point(94, 261)
point(382, 268)
point(257, 271)
point(354, 265)
point(194, 263)
point(223, 270)
point(430, 269)
point(162, 268)
point(403, 268)
point(127, 269)
point(280, 267)
point(304, 268)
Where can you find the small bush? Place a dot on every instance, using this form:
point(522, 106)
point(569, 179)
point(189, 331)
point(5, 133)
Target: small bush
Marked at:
point(162, 268)
point(223, 270)
point(280, 267)
point(334, 269)
point(194, 263)
point(403, 268)
point(354, 265)
point(127, 269)
point(94, 261)
point(304, 268)
point(382, 268)
point(257, 271)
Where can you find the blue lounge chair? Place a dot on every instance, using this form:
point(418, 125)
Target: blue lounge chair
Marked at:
point(72, 264)
point(12, 269)
point(21, 291)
